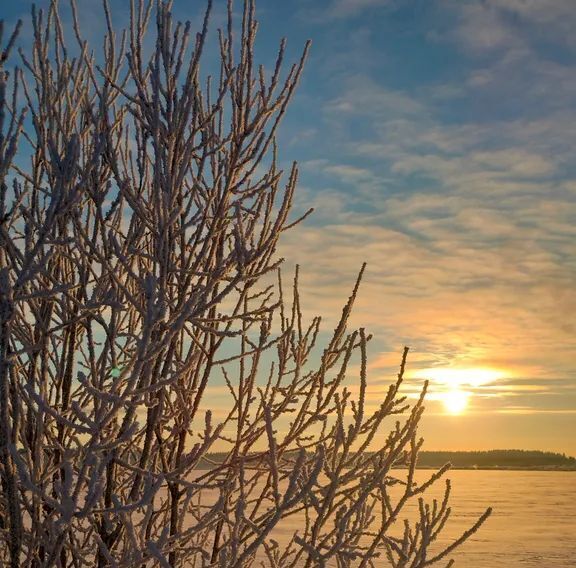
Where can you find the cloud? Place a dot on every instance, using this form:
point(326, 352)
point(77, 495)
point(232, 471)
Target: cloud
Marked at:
point(346, 8)
point(467, 227)
point(553, 18)
point(363, 96)
point(491, 26)
point(481, 28)
point(528, 410)
point(339, 9)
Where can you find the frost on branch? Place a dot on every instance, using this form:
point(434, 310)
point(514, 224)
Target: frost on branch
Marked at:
point(143, 326)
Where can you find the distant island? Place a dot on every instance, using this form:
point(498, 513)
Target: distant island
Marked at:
point(498, 459)
point(492, 459)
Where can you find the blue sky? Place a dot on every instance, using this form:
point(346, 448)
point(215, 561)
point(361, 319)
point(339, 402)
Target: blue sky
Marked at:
point(435, 140)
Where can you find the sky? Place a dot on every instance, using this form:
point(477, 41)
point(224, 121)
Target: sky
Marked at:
point(435, 140)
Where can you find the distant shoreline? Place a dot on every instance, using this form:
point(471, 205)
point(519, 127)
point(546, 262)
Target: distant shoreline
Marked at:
point(515, 460)
point(499, 468)
point(490, 460)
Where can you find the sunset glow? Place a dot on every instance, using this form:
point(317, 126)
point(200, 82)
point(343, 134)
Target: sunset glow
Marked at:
point(455, 387)
point(455, 401)
point(474, 377)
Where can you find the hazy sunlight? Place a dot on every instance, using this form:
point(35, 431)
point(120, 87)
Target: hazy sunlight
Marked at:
point(454, 387)
point(474, 377)
point(455, 401)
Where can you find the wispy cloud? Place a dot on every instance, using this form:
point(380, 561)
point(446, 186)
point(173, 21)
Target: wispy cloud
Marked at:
point(343, 8)
point(340, 9)
point(488, 25)
point(481, 27)
point(467, 225)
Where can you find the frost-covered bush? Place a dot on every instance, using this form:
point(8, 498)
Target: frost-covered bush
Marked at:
point(143, 324)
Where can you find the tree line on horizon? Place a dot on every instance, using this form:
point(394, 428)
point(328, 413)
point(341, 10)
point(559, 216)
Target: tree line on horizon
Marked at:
point(464, 458)
point(494, 458)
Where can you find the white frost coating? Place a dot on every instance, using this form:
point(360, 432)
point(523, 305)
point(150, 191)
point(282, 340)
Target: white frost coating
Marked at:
point(161, 402)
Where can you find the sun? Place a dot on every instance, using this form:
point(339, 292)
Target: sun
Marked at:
point(454, 387)
point(455, 401)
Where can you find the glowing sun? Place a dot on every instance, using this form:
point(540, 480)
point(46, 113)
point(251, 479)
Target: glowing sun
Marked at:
point(455, 401)
point(455, 387)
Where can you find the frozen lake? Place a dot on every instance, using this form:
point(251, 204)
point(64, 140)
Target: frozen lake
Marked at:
point(533, 522)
